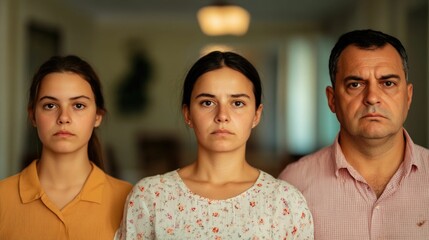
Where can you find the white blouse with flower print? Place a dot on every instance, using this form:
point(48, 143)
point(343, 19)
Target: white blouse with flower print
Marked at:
point(162, 207)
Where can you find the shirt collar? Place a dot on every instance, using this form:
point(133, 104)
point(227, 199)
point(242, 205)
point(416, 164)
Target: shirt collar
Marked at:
point(409, 157)
point(31, 190)
point(29, 184)
point(92, 191)
point(340, 159)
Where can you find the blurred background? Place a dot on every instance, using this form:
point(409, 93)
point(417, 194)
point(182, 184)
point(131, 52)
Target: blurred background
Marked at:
point(142, 49)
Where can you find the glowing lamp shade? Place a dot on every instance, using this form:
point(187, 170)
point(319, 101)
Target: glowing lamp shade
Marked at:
point(223, 20)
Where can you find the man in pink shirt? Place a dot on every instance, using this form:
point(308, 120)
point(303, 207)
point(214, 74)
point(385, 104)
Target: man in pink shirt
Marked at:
point(373, 181)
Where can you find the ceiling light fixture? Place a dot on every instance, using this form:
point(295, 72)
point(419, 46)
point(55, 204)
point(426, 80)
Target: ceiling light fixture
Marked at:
point(221, 18)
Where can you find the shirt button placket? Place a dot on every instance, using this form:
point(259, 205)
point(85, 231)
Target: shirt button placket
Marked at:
point(376, 222)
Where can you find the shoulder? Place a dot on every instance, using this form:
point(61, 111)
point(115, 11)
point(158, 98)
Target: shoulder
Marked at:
point(160, 179)
point(99, 176)
point(156, 184)
point(103, 185)
point(278, 187)
point(285, 197)
point(9, 183)
point(309, 164)
point(312, 160)
point(421, 155)
point(310, 169)
point(27, 176)
point(118, 183)
point(421, 151)
point(9, 192)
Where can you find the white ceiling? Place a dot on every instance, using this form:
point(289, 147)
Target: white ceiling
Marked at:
point(263, 11)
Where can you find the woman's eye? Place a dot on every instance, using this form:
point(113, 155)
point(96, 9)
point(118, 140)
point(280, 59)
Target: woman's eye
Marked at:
point(207, 103)
point(79, 106)
point(238, 104)
point(49, 106)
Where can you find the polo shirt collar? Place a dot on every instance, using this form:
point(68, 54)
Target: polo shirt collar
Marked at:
point(92, 191)
point(29, 184)
point(31, 190)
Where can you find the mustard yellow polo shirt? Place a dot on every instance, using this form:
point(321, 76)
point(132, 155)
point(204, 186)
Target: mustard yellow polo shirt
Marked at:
point(27, 213)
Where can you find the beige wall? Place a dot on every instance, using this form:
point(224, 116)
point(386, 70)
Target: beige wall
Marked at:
point(14, 80)
point(11, 49)
point(4, 96)
point(171, 53)
point(171, 49)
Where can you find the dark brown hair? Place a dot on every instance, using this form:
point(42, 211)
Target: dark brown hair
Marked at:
point(216, 60)
point(365, 39)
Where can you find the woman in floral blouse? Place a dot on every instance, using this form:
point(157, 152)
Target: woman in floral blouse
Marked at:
point(219, 195)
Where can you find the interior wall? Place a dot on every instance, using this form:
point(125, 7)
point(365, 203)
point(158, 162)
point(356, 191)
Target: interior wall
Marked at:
point(171, 54)
point(107, 46)
point(74, 26)
point(10, 72)
point(168, 55)
point(15, 17)
point(4, 96)
point(417, 47)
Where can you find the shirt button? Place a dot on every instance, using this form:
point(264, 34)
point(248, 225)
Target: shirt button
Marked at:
point(377, 207)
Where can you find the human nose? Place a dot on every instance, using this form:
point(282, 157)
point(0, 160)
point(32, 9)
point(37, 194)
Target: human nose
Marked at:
point(372, 94)
point(222, 114)
point(64, 117)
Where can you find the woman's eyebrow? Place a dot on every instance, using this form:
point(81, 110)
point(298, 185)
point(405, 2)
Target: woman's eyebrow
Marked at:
point(81, 96)
point(48, 97)
point(56, 99)
point(232, 95)
point(240, 95)
point(205, 95)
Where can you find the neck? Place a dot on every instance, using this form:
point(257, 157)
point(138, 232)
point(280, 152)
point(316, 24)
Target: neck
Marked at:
point(375, 160)
point(221, 167)
point(63, 169)
point(373, 152)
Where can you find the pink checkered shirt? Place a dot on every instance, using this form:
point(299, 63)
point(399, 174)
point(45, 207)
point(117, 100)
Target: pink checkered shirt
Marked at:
point(345, 207)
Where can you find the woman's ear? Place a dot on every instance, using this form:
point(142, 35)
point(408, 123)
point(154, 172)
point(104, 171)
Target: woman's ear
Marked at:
point(187, 115)
point(98, 120)
point(258, 115)
point(99, 117)
point(31, 117)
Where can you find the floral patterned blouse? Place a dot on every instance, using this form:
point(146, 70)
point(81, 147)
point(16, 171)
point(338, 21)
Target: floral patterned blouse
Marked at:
point(162, 207)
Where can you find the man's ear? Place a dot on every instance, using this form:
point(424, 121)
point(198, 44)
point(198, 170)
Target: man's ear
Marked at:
point(410, 94)
point(330, 95)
